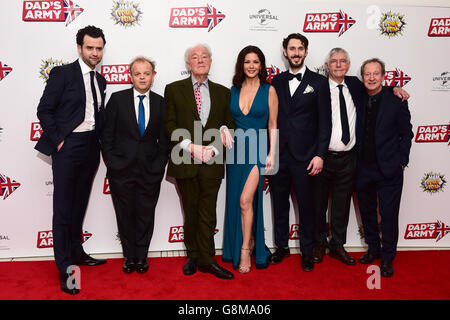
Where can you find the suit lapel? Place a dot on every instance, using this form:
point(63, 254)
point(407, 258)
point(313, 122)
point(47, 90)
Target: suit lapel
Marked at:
point(101, 87)
point(130, 112)
point(213, 97)
point(188, 92)
point(154, 113)
point(381, 109)
point(285, 92)
point(298, 94)
point(80, 80)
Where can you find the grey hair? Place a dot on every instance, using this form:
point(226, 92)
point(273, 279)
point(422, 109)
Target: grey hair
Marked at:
point(336, 51)
point(187, 53)
point(142, 59)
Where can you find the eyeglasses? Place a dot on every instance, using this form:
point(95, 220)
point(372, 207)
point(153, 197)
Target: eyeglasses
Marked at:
point(335, 61)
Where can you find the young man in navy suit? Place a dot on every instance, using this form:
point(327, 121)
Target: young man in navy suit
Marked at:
point(304, 122)
point(383, 139)
point(71, 112)
point(135, 148)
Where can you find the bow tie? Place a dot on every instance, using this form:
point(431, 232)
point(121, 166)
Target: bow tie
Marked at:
point(292, 76)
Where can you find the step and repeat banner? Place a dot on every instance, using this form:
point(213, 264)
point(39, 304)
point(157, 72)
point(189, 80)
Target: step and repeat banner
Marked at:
point(35, 36)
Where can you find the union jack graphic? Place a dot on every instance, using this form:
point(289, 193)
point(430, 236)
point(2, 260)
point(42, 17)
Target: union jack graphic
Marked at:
point(272, 71)
point(71, 11)
point(86, 235)
point(441, 230)
point(214, 17)
point(7, 185)
point(401, 78)
point(4, 70)
point(266, 184)
point(345, 22)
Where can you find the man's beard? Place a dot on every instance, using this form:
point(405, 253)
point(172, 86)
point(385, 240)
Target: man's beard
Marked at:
point(296, 65)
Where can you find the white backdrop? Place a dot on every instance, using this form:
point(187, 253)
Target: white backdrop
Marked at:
point(26, 211)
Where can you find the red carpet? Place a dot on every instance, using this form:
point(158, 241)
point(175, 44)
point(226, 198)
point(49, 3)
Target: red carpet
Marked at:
point(418, 275)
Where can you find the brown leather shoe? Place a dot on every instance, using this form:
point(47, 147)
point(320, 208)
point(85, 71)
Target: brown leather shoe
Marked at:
point(318, 253)
point(342, 256)
point(307, 263)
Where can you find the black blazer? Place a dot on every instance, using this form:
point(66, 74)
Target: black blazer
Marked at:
point(393, 132)
point(304, 119)
point(122, 144)
point(356, 88)
point(62, 105)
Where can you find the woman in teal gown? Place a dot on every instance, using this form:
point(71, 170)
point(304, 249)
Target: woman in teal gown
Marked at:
point(254, 106)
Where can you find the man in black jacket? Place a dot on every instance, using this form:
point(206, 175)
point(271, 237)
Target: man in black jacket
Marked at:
point(383, 139)
point(135, 149)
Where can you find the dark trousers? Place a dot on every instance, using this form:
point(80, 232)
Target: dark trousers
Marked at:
point(134, 194)
point(370, 186)
point(338, 178)
point(199, 198)
point(74, 167)
point(293, 172)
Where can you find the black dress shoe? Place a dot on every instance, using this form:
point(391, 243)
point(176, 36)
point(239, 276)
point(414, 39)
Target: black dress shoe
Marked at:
point(342, 256)
point(307, 263)
point(129, 265)
point(87, 260)
point(369, 257)
point(72, 288)
point(190, 267)
point(216, 270)
point(141, 265)
point(279, 255)
point(318, 253)
point(387, 270)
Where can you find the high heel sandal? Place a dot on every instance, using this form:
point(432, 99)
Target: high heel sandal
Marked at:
point(242, 268)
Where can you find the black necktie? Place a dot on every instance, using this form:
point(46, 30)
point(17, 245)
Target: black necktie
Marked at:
point(292, 76)
point(94, 95)
point(344, 119)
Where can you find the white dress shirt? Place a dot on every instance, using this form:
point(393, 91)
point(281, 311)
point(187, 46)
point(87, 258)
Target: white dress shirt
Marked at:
point(89, 121)
point(294, 83)
point(146, 103)
point(336, 129)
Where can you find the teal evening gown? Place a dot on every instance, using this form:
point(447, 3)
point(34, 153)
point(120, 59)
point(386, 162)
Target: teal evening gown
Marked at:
point(240, 161)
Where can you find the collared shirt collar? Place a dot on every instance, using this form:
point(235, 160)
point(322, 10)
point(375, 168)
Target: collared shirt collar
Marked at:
point(334, 84)
point(84, 67)
point(137, 93)
point(194, 81)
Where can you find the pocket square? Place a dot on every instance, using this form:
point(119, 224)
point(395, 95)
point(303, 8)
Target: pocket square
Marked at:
point(308, 89)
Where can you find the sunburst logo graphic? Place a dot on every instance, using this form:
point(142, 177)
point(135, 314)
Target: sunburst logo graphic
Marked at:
point(433, 182)
point(322, 70)
point(126, 14)
point(392, 24)
point(47, 66)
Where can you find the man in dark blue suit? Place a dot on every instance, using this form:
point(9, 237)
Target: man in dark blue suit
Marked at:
point(383, 139)
point(304, 122)
point(71, 112)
